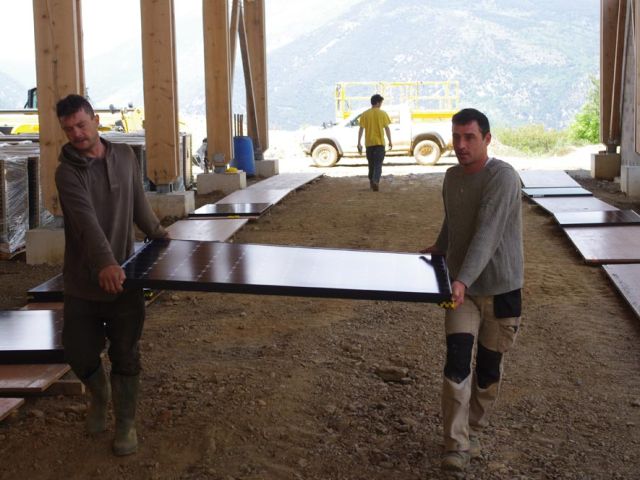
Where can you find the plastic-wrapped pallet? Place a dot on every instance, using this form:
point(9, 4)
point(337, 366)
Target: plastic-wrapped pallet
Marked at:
point(14, 204)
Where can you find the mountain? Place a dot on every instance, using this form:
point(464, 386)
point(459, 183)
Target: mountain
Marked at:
point(520, 61)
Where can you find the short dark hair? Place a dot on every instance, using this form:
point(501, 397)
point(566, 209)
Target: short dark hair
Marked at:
point(73, 103)
point(375, 99)
point(468, 115)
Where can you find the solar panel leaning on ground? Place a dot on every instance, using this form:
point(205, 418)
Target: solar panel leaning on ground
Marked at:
point(547, 179)
point(285, 270)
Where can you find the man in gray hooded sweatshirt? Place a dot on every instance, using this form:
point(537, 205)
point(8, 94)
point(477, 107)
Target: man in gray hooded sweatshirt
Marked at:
point(101, 194)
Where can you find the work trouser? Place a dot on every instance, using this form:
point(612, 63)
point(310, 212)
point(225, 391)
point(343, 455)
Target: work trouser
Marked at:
point(375, 157)
point(87, 325)
point(468, 395)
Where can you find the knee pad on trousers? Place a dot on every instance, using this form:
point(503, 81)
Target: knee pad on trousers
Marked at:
point(487, 366)
point(459, 349)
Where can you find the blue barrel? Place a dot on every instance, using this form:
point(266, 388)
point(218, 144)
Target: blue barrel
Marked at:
point(243, 155)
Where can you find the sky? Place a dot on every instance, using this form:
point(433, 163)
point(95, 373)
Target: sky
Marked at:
point(106, 23)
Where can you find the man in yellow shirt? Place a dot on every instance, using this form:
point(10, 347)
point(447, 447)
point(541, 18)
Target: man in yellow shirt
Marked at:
point(375, 122)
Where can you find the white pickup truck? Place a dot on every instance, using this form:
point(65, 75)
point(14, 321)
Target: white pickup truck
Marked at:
point(425, 140)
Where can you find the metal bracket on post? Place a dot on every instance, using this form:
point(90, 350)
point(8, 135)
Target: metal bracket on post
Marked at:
point(219, 165)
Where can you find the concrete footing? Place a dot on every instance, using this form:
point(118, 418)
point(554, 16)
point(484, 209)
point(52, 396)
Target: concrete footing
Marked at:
point(224, 182)
point(267, 168)
point(45, 245)
point(174, 204)
point(630, 180)
point(605, 166)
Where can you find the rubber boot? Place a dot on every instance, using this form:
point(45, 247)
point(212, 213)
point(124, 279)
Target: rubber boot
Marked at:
point(125, 398)
point(100, 392)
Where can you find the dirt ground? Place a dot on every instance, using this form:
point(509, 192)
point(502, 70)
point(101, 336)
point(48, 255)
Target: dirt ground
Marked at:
point(256, 387)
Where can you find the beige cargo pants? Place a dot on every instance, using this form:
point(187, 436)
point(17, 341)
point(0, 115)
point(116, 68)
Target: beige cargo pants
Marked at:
point(474, 337)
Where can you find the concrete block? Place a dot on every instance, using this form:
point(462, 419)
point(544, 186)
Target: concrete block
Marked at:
point(45, 245)
point(173, 204)
point(605, 166)
point(630, 180)
point(224, 182)
point(267, 168)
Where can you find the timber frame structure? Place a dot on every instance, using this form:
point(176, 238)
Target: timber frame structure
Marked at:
point(60, 72)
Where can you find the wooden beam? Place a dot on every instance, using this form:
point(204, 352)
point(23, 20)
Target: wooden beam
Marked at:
point(252, 118)
point(256, 40)
point(217, 77)
point(233, 36)
point(59, 65)
point(160, 92)
point(612, 29)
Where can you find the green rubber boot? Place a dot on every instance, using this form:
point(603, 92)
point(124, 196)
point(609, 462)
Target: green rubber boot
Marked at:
point(100, 392)
point(125, 398)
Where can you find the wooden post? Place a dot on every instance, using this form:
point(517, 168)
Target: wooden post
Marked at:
point(217, 77)
point(160, 92)
point(256, 41)
point(233, 36)
point(58, 45)
point(252, 118)
point(612, 28)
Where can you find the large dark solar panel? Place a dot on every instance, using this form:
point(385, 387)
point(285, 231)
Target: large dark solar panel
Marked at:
point(31, 336)
point(557, 192)
point(231, 210)
point(594, 219)
point(50, 291)
point(284, 270)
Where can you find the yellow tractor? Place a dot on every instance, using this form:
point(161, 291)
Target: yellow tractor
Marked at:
point(127, 119)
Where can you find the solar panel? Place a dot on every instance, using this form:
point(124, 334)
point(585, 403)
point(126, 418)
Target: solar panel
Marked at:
point(557, 192)
point(594, 219)
point(31, 336)
point(231, 210)
point(546, 179)
point(607, 244)
point(573, 204)
point(285, 270)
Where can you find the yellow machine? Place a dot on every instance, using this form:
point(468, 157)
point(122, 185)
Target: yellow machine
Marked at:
point(128, 119)
point(428, 100)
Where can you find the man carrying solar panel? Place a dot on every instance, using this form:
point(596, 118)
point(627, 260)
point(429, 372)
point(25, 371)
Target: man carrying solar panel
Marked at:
point(101, 194)
point(481, 237)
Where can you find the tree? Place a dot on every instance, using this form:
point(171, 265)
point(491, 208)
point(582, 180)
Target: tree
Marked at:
point(586, 125)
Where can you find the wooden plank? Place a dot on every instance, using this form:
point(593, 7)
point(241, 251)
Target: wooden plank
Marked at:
point(215, 230)
point(24, 379)
point(593, 219)
point(8, 405)
point(160, 91)
point(599, 245)
point(626, 278)
point(555, 205)
point(217, 79)
point(546, 179)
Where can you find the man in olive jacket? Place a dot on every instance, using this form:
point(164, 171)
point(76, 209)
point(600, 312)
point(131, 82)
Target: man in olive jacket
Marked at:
point(100, 189)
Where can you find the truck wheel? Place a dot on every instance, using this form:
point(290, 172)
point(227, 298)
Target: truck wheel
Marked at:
point(427, 152)
point(325, 155)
